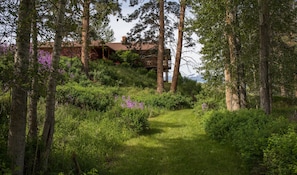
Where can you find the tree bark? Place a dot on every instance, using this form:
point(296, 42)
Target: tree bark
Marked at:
point(233, 83)
point(264, 55)
point(85, 36)
point(228, 89)
point(160, 81)
point(34, 96)
point(174, 82)
point(48, 128)
point(242, 86)
point(17, 128)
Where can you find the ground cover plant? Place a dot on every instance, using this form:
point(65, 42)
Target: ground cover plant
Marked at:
point(255, 136)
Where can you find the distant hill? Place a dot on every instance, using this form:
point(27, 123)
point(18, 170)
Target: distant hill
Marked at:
point(195, 77)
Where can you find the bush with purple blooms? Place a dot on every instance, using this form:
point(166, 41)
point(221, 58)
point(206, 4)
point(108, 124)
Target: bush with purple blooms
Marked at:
point(128, 103)
point(131, 114)
point(45, 59)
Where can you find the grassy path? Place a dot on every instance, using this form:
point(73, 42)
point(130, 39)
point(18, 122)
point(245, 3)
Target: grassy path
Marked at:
point(175, 145)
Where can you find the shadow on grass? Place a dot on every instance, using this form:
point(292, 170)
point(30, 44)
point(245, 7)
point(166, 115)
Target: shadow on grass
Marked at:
point(198, 155)
point(156, 125)
point(152, 131)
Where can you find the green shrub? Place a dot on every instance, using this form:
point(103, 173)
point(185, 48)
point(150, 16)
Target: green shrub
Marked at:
point(5, 107)
point(88, 135)
point(280, 156)
point(130, 114)
point(168, 100)
point(72, 69)
point(6, 70)
point(128, 58)
point(134, 119)
point(212, 99)
point(86, 97)
point(104, 77)
point(247, 130)
point(189, 87)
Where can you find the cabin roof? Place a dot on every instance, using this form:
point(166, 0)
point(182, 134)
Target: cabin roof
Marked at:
point(116, 46)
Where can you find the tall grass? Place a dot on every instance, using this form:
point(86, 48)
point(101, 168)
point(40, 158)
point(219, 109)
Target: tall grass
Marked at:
point(84, 136)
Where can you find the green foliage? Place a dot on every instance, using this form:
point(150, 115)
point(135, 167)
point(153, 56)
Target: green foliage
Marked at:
point(133, 119)
point(188, 87)
point(71, 70)
point(89, 135)
point(105, 76)
point(92, 97)
point(280, 154)
point(210, 97)
point(5, 107)
point(128, 57)
point(6, 70)
point(111, 75)
point(166, 100)
point(247, 130)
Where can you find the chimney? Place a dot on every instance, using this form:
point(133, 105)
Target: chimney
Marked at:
point(124, 40)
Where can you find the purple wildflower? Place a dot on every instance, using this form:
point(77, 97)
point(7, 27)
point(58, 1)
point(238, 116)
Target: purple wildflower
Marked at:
point(5, 49)
point(45, 59)
point(128, 103)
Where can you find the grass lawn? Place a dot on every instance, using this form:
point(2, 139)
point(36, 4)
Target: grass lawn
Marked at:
point(175, 145)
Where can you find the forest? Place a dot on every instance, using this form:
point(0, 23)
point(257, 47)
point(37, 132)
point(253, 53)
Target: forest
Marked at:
point(78, 115)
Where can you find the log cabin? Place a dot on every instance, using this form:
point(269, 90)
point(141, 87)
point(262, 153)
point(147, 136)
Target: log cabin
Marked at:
point(101, 50)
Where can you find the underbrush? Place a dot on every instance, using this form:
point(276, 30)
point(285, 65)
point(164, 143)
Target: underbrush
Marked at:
point(90, 97)
point(5, 106)
point(87, 138)
point(256, 137)
point(166, 100)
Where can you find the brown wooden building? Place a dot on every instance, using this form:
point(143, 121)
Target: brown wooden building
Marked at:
point(100, 50)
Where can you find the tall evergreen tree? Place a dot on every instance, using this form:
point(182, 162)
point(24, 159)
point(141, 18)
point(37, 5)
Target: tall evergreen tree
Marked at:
point(160, 80)
point(179, 47)
point(264, 26)
point(85, 36)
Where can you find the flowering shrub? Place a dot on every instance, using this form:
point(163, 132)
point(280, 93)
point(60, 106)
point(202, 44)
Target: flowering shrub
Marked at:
point(6, 49)
point(45, 59)
point(131, 114)
point(128, 103)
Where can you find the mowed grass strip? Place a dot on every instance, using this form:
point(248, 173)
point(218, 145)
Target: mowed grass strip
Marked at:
point(176, 144)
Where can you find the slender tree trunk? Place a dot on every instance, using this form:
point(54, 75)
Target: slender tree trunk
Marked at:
point(228, 89)
point(242, 86)
point(264, 55)
point(48, 128)
point(233, 84)
point(85, 36)
point(173, 86)
point(34, 95)
point(17, 128)
point(160, 81)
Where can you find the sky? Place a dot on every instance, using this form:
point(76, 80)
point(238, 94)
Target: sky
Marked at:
point(191, 58)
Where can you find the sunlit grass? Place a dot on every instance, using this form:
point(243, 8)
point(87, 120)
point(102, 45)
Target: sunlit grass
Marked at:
point(176, 145)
